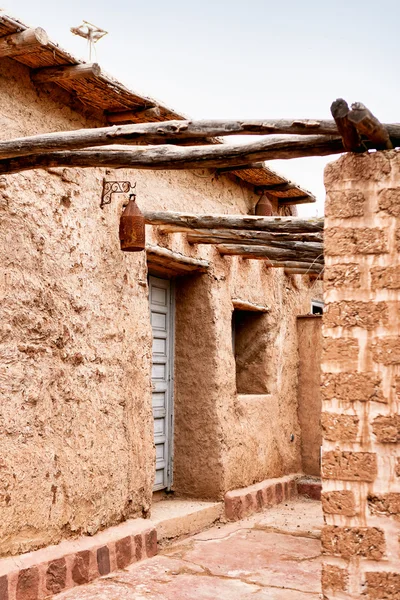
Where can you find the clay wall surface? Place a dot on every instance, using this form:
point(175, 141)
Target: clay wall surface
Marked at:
point(76, 425)
point(360, 364)
point(309, 392)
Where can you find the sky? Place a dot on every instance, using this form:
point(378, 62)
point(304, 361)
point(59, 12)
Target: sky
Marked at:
point(258, 59)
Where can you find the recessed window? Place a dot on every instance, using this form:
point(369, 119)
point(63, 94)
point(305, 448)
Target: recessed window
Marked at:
point(317, 307)
point(249, 344)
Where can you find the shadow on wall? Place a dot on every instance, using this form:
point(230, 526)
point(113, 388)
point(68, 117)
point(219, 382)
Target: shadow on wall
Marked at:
point(250, 344)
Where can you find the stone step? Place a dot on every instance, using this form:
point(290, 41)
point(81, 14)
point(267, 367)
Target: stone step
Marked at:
point(176, 518)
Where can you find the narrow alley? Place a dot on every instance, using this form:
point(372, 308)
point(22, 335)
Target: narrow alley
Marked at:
point(274, 555)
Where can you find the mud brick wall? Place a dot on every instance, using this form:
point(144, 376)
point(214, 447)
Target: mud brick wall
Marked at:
point(361, 379)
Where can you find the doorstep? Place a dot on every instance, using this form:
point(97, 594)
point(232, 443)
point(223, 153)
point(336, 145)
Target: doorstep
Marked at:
point(174, 518)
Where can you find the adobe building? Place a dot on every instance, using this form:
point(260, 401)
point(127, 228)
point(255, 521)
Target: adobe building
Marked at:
point(129, 375)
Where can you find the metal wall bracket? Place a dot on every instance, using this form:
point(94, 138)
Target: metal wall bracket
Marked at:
point(114, 187)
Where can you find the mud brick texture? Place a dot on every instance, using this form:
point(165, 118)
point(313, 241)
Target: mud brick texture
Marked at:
point(360, 388)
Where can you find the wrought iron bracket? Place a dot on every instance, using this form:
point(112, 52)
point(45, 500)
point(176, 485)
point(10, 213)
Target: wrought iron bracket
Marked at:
point(115, 187)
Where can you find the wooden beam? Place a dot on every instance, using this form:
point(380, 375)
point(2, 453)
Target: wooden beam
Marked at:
point(367, 124)
point(300, 271)
point(57, 74)
point(351, 140)
point(207, 236)
point(255, 238)
point(162, 132)
point(292, 200)
point(275, 187)
point(258, 165)
point(298, 266)
point(23, 43)
point(172, 222)
point(152, 113)
point(175, 260)
point(177, 158)
point(263, 252)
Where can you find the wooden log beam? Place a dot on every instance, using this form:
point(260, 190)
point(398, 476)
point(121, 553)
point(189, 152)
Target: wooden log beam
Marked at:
point(369, 126)
point(256, 238)
point(300, 271)
point(263, 252)
point(57, 74)
point(351, 140)
point(23, 43)
point(172, 222)
point(164, 132)
point(175, 260)
point(298, 265)
point(152, 113)
point(258, 165)
point(176, 157)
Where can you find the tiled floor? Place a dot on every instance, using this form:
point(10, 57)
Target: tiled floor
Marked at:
point(273, 555)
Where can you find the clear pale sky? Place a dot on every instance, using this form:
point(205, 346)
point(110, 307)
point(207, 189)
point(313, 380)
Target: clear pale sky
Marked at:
point(242, 58)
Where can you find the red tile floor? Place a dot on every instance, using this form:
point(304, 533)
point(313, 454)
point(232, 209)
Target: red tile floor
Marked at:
point(274, 555)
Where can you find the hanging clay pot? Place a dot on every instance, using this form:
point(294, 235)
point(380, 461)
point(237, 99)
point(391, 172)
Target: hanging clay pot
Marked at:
point(132, 228)
point(264, 207)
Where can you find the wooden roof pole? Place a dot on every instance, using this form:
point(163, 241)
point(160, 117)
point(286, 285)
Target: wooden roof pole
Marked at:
point(57, 74)
point(274, 254)
point(351, 139)
point(161, 132)
point(368, 125)
point(22, 43)
point(171, 222)
point(178, 158)
point(255, 238)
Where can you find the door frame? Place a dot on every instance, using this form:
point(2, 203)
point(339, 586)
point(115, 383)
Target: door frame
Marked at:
point(171, 375)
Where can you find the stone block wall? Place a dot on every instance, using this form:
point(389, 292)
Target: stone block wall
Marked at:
point(361, 379)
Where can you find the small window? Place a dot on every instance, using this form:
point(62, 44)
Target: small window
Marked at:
point(250, 341)
point(317, 307)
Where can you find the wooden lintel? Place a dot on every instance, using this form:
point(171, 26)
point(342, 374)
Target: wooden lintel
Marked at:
point(251, 306)
point(147, 113)
point(56, 74)
point(23, 42)
point(175, 261)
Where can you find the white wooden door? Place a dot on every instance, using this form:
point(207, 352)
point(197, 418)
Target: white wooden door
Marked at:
point(161, 311)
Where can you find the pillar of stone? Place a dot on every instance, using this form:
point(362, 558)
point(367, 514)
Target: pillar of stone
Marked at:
point(361, 379)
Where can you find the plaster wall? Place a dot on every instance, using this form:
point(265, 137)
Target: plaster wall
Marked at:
point(76, 427)
point(309, 392)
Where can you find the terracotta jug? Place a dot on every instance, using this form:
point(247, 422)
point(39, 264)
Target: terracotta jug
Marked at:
point(132, 228)
point(264, 207)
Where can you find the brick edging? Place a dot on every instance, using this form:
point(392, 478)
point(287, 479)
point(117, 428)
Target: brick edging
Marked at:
point(42, 573)
point(246, 501)
point(309, 489)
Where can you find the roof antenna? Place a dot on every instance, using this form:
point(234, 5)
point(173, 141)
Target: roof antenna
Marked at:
point(91, 33)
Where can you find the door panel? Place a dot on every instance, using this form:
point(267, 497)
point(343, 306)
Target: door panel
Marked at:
point(161, 311)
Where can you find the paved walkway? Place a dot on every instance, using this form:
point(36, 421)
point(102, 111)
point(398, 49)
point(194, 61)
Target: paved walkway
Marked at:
point(273, 555)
